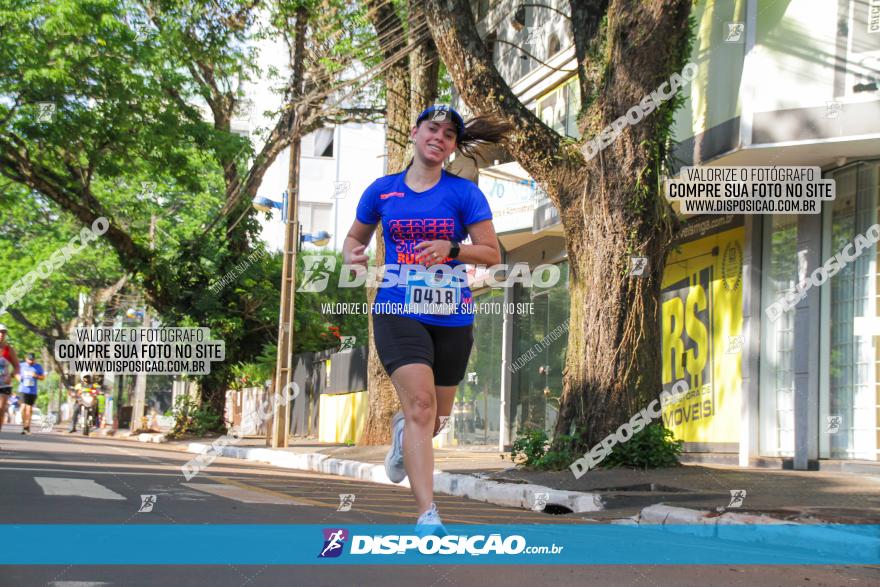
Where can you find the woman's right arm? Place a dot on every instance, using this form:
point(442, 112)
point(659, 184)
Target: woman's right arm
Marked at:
point(355, 245)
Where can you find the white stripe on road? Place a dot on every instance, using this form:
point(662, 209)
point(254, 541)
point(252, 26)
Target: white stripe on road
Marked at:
point(76, 487)
point(96, 472)
point(241, 494)
point(77, 584)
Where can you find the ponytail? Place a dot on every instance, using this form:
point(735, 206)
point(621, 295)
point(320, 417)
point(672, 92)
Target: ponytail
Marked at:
point(482, 130)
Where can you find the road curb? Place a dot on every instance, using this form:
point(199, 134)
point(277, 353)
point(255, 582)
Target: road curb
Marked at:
point(506, 494)
point(523, 495)
point(667, 514)
point(729, 526)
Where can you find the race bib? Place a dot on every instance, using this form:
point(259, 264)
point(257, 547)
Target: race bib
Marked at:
point(432, 293)
point(29, 381)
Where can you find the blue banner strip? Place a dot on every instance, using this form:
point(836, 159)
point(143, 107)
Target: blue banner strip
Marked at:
point(578, 544)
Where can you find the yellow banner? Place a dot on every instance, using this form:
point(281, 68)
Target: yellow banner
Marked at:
point(701, 321)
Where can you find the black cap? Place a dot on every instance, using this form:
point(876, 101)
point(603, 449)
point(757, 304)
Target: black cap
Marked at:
point(443, 113)
point(29, 356)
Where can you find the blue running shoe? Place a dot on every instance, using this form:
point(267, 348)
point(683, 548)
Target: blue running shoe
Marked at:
point(429, 524)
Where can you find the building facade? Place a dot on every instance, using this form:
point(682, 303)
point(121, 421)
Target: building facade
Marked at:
point(792, 83)
point(337, 163)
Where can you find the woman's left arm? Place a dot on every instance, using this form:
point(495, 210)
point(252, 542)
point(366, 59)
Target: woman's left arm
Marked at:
point(483, 250)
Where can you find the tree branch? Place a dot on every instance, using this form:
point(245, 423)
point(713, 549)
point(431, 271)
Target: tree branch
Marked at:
point(534, 145)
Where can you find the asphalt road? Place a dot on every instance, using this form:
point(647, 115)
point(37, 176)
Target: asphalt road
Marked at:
point(54, 478)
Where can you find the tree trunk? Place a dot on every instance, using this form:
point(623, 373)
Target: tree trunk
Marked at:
point(610, 206)
point(410, 84)
point(382, 397)
point(612, 365)
point(424, 64)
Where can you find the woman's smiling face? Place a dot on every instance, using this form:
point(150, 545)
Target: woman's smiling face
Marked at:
point(434, 140)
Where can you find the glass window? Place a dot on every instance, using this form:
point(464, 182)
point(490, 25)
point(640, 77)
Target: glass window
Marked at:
point(848, 396)
point(323, 142)
point(490, 43)
point(553, 46)
point(776, 393)
point(559, 109)
point(572, 107)
point(480, 8)
point(315, 216)
point(536, 386)
point(477, 410)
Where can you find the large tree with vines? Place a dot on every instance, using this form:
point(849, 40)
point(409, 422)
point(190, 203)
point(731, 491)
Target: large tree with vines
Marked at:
point(611, 206)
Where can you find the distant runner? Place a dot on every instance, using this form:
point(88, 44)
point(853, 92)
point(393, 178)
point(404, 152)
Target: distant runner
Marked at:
point(31, 372)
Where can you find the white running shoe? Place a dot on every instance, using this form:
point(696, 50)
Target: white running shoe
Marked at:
point(429, 523)
point(394, 459)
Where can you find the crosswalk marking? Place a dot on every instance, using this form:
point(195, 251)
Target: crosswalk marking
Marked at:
point(95, 472)
point(242, 494)
point(76, 487)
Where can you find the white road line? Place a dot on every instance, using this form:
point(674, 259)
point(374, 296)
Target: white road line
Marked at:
point(76, 487)
point(241, 494)
point(77, 583)
point(96, 472)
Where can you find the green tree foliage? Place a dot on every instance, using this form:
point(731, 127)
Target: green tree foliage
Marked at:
point(123, 110)
point(315, 329)
point(32, 229)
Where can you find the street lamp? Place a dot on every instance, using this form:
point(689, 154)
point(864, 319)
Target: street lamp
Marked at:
point(319, 239)
point(264, 204)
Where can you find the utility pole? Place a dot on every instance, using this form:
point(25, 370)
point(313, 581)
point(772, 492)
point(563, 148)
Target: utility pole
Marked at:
point(140, 389)
point(286, 331)
point(337, 150)
point(140, 382)
point(278, 430)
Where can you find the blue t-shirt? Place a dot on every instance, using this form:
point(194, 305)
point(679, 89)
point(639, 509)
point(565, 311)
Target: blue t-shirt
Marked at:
point(409, 218)
point(28, 377)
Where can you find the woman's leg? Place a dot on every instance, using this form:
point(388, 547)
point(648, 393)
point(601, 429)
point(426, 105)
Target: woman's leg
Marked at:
point(3, 398)
point(415, 388)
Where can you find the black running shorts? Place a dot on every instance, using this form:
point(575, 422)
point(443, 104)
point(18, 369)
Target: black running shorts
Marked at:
point(29, 399)
point(403, 341)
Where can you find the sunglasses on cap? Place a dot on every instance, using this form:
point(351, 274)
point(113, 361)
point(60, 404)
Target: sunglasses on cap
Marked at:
point(443, 113)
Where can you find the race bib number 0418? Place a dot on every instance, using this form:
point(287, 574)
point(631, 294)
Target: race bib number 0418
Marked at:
point(432, 293)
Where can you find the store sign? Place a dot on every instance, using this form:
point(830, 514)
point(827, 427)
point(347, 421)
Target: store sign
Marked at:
point(701, 311)
point(512, 202)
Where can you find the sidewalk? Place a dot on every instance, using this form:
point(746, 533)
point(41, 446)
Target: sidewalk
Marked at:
point(684, 495)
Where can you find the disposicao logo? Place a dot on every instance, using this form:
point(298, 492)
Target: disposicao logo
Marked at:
point(334, 542)
point(391, 195)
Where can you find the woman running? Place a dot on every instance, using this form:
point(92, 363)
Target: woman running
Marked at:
point(423, 327)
